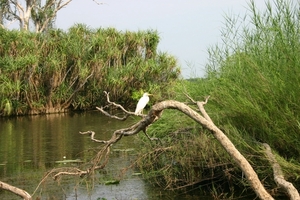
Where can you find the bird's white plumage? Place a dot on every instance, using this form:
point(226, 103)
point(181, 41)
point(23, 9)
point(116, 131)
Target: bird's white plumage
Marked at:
point(142, 103)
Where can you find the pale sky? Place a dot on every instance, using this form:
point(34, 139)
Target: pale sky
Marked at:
point(186, 27)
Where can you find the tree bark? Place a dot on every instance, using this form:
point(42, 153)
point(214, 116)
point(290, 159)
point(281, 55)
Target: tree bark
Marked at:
point(23, 13)
point(278, 175)
point(15, 190)
point(244, 165)
point(155, 113)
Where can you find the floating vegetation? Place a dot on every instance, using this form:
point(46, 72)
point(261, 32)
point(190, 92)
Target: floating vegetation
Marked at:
point(112, 182)
point(123, 150)
point(69, 161)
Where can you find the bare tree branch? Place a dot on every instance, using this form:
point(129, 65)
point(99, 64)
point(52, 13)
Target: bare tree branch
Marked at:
point(41, 15)
point(223, 139)
point(15, 190)
point(278, 175)
point(57, 5)
point(102, 157)
point(92, 134)
point(206, 121)
point(98, 2)
point(200, 105)
point(112, 116)
point(110, 103)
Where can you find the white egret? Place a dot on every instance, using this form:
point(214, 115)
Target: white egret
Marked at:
point(142, 103)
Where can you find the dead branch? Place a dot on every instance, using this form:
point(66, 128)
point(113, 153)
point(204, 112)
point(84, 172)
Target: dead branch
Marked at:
point(155, 113)
point(116, 105)
point(143, 124)
point(221, 137)
point(103, 154)
point(92, 134)
point(15, 190)
point(70, 171)
point(278, 175)
point(112, 116)
point(102, 157)
point(98, 2)
point(99, 158)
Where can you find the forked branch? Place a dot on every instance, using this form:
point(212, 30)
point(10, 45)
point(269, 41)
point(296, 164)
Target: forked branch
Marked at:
point(102, 157)
point(204, 119)
point(153, 115)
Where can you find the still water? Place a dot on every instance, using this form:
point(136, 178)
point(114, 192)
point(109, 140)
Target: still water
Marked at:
point(31, 146)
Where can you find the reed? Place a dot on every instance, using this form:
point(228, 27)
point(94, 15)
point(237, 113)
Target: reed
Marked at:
point(253, 80)
point(256, 81)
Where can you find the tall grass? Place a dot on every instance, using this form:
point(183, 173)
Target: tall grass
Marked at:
point(256, 81)
point(253, 80)
point(189, 158)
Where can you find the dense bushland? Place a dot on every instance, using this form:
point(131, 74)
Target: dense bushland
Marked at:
point(253, 80)
point(61, 70)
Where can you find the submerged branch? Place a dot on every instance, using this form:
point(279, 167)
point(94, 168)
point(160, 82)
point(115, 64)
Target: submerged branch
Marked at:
point(92, 134)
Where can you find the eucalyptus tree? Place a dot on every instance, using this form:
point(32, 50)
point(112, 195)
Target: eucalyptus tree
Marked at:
point(40, 13)
point(4, 12)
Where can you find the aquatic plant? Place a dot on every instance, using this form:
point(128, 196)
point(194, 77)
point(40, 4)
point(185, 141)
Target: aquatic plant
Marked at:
point(60, 70)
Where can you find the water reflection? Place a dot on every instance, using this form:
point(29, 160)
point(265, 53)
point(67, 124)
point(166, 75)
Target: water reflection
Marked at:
point(31, 145)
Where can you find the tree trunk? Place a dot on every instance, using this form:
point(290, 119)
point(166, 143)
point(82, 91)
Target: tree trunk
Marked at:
point(221, 137)
point(278, 175)
point(156, 112)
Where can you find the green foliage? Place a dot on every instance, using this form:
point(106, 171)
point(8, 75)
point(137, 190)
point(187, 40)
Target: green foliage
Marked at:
point(189, 156)
point(57, 71)
point(258, 80)
point(253, 82)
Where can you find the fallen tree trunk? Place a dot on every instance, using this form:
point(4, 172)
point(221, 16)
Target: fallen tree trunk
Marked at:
point(241, 161)
point(155, 113)
point(278, 175)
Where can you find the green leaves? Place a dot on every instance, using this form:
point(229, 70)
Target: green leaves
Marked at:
point(58, 70)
